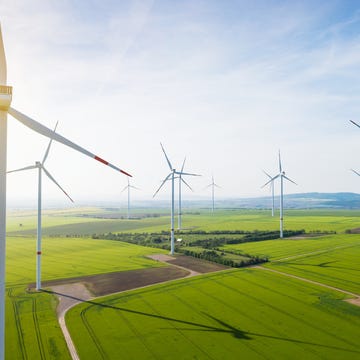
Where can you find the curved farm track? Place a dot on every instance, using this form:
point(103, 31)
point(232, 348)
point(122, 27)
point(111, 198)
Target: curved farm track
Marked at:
point(71, 292)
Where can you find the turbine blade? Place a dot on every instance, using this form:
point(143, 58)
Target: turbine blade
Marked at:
point(51, 178)
point(216, 185)
point(271, 180)
point(124, 188)
point(3, 71)
point(355, 123)
point(183, 173)
point(268, 175)
point(134, 187)
point(182, 168)
point(43, 130)
point(164, 181)
point(187, 184)
point(48, 148)
point(167, 159)
point(289, 180)
point(280, 169)
point(355, 172)
point(24, 168)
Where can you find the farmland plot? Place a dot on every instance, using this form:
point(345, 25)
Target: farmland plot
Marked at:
point(297, 247)
point(32, 330)
point(248, 313)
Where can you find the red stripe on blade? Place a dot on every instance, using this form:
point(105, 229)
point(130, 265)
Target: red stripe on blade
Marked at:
point(124, 172)
point(38, 253)
point(101, 160)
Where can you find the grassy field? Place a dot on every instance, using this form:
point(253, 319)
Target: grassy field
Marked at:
point(90, 221)
point(249, 314)
point(32, 330)
point(278, 249)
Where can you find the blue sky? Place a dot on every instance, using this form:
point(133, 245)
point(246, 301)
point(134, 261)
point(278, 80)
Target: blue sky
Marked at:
point(226, 84)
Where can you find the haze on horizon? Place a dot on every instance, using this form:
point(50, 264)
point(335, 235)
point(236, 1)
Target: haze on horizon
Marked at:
point(225, 84)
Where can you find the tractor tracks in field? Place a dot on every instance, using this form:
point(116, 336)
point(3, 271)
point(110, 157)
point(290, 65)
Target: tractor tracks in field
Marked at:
point(355, 300)
point(16, 303)
point(72, 294)
point(316, 252)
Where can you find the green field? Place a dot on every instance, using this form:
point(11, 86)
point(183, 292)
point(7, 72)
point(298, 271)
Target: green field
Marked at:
point(90, 221)
point(279, 249)
point(32, 330)
point(247, 313)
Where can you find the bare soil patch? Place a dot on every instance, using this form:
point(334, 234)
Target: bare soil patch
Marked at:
point(104, 284)
point(355, 301)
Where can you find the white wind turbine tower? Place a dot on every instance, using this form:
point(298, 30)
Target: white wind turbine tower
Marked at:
point(213, 185)
point(5, 101)
point(171, 176)
point(272, 193)
point(282, 176)
point(40, 166)
point(127, 187)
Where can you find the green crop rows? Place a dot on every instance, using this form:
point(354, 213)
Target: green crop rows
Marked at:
point(248, 314)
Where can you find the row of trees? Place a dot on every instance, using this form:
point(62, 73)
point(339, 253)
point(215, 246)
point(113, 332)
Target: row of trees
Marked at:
point(219, 257)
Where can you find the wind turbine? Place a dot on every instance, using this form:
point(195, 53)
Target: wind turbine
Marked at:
point(272, 192)
point(5, 108)
point(40, 166)
point(181, 180)
point(355, 172)
point(213, 185)
point(282, 176)
point(128, 186)
point(171, 176)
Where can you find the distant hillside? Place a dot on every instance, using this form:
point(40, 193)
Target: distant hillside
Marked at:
point(344, 200)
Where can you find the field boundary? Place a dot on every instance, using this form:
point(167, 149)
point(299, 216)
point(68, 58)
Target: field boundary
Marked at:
point(80, 293)
point(355, 301)
point(314, 252)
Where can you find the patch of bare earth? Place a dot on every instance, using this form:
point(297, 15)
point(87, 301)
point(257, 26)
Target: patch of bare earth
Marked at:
point(105, 284)
point(72, 291)
point(355, 301)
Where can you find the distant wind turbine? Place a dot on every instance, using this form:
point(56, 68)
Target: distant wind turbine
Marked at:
point(282, 176)
point(128, 186)
point(213, 185)
point(5, 108)
point(272, 192)
point(171, 176)
point(40, 166)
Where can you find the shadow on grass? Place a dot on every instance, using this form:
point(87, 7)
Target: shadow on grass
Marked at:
point(225, 327)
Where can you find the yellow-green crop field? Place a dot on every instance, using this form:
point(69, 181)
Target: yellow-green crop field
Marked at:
point(248, 313)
